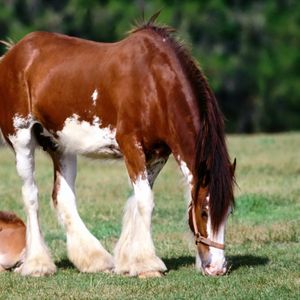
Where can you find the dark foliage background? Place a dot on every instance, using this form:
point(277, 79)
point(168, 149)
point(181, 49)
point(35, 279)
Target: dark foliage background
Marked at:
point(249, 50)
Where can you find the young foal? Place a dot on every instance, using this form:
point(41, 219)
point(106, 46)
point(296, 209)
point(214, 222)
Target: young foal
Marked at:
point(141, 98)
point(12, 240)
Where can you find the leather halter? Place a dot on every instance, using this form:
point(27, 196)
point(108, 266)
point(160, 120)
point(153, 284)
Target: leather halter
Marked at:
point(199, 239)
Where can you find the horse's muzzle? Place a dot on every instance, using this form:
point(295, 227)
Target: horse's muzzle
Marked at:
point(214, 270)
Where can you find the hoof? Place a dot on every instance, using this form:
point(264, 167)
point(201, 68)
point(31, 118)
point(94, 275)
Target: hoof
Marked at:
point(37, 268)
point(108, 271)
point(88, 255)
point(96, 262)
point(150, 274)
point(133, 266)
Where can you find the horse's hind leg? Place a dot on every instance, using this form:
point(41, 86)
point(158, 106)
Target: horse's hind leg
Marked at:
point(135, 252)
point(84, 250)
point(37, 260)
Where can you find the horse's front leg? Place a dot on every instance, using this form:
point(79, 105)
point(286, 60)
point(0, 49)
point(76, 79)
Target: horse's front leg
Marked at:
point(37, 261)
point(84, 250)
point(135, 252)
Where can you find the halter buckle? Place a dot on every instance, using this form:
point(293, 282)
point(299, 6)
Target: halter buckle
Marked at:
point(199, 239)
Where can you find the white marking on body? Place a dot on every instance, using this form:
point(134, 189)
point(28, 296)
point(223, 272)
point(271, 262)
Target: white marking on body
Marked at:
point(82, 137)
point(37, 261)
point(21, 122)
point(188, 178)
point(135, 252)
point(94, 97)
point(2, 137)
point(186, 172)
point(84, 250)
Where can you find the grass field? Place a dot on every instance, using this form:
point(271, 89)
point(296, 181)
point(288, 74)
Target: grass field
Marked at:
point(263, 234)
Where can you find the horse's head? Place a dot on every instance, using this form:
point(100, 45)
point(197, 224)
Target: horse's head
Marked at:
point(209, 238)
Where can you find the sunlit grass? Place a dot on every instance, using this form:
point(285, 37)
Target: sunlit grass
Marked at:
point(263, 243)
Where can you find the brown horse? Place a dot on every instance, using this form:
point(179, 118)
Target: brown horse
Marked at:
point(142, 98)
point(12, 240)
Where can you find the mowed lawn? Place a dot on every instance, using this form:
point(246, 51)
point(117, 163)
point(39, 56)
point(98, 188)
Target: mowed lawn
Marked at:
point(262, 241)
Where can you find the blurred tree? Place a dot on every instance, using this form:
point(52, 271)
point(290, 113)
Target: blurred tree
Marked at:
point(248, 49)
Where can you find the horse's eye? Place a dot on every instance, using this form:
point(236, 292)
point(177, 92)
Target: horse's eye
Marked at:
point(204, 214)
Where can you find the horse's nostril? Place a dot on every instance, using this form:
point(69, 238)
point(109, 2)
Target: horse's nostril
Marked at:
point(214, 271)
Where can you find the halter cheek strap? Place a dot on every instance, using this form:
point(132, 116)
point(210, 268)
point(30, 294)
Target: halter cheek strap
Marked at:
point(199, 239)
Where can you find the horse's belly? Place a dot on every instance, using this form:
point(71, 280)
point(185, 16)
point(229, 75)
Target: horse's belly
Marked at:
point(82, 137)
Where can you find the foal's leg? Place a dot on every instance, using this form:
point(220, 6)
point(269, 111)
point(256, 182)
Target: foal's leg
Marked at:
point(37, 260)
point(84, 250)
point(134, 252)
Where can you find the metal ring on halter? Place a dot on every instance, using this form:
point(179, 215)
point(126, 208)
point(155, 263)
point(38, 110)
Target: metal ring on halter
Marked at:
point(199, 239)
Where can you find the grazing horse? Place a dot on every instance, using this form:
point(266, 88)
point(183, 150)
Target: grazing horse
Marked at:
point(12, 240)
point(142, 99)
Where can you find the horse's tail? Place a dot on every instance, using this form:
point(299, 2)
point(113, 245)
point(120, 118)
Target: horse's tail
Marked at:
point(8, 45)
point(212, 160)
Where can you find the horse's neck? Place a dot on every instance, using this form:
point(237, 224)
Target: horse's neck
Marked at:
point(183, 145)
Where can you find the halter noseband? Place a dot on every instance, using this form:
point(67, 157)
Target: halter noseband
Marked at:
point(199, 239)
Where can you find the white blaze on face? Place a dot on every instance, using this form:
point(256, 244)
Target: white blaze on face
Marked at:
point(213, 262)
point(82, 137)
point(94, 97)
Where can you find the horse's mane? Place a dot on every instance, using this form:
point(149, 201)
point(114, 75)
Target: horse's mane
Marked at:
point(212, 163)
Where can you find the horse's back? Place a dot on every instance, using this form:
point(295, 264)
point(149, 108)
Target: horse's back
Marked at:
point(46, 71)
point(124, 85)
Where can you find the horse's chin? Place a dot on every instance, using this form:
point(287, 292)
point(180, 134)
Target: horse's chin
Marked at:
point(211, 267)
point(213, 271)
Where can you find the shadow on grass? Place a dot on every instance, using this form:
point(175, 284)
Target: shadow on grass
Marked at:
point(64, 264)
point(234, 261)
point(237, 261)
point(178, 262)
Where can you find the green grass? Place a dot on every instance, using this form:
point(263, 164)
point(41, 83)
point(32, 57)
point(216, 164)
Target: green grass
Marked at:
point(263, 234)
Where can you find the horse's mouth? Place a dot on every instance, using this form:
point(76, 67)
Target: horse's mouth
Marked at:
point(214, 270)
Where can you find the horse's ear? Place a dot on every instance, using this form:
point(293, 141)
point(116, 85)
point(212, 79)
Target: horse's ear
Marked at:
point(233, 166)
